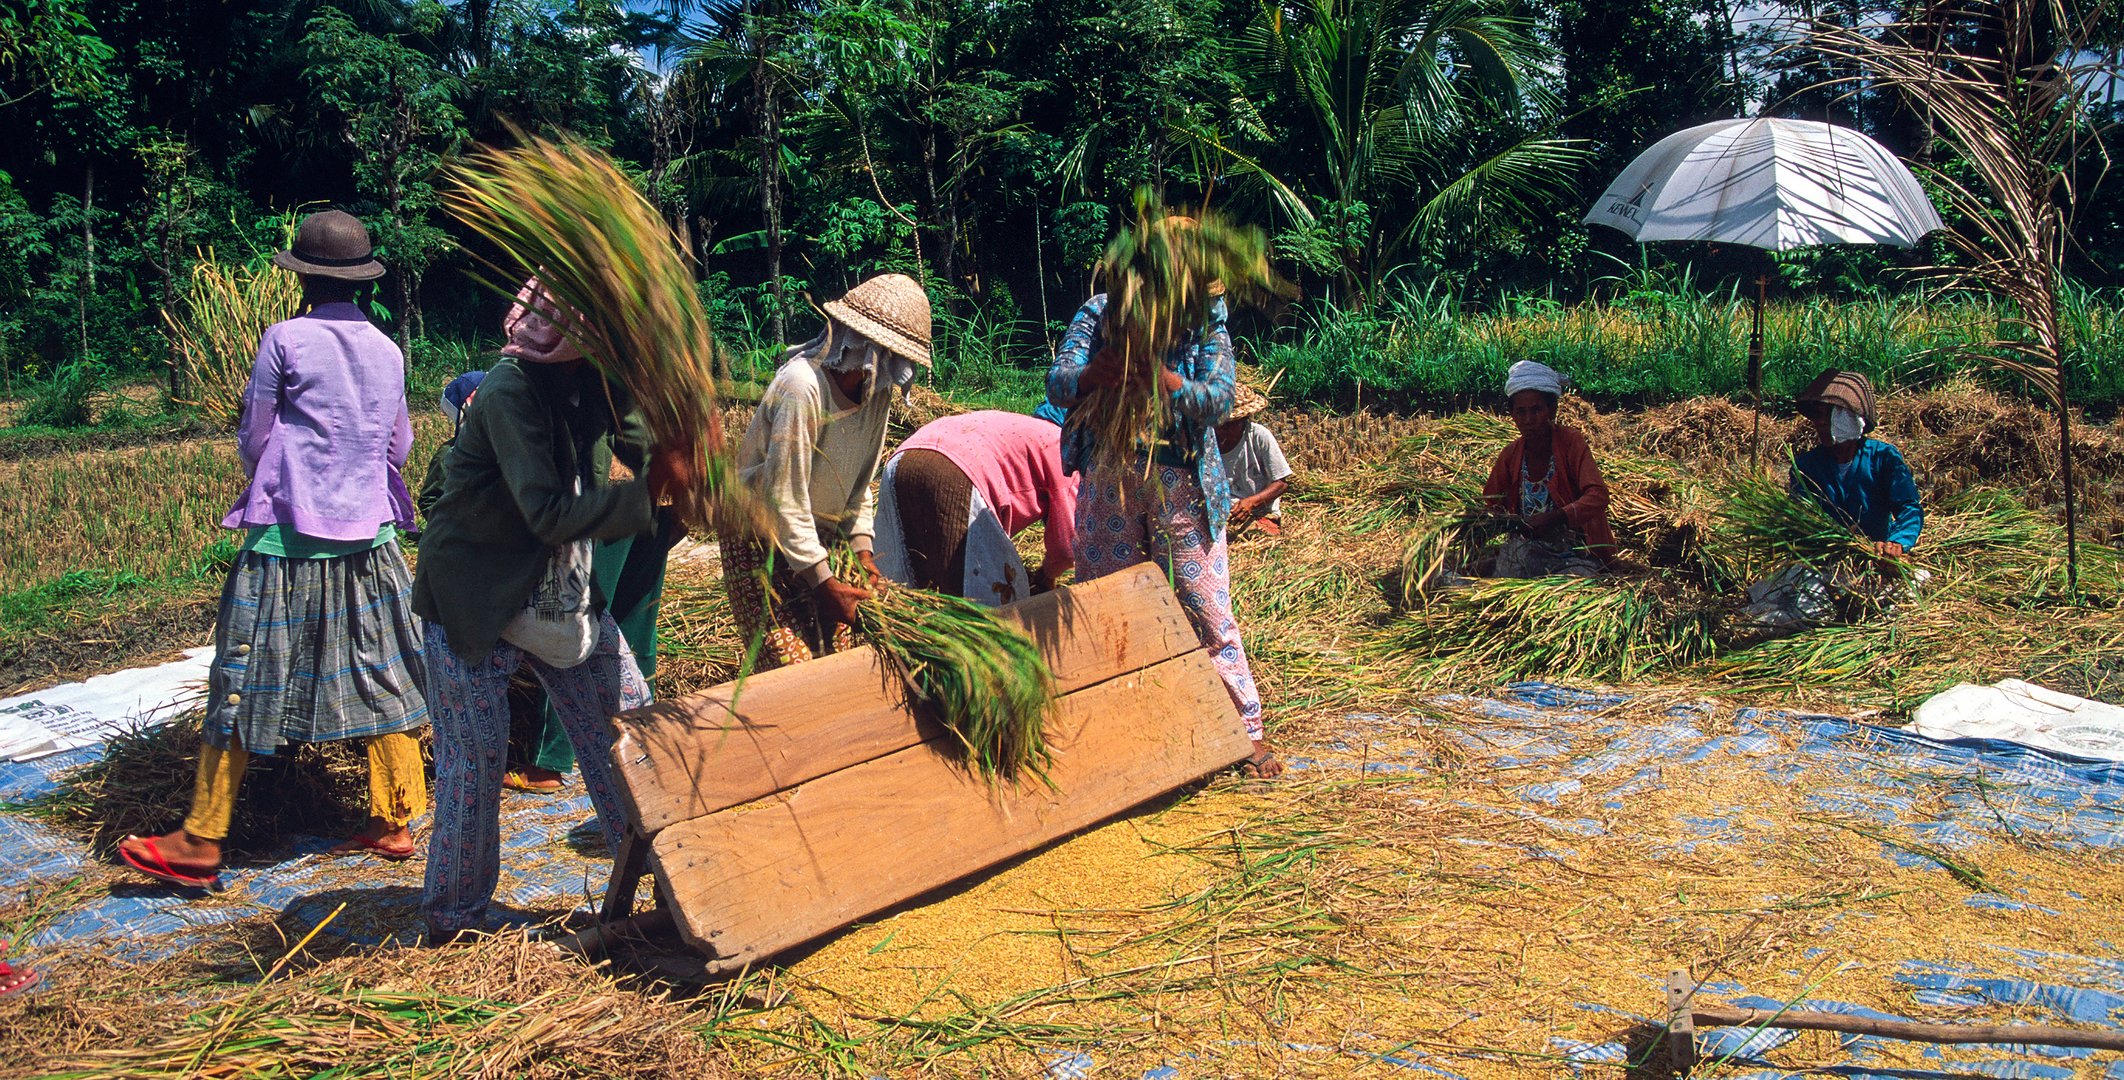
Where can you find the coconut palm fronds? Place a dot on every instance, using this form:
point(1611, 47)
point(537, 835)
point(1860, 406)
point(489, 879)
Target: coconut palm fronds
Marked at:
point(563, 212)
point(226, 307)
point(1163, 275)
point(980, 677)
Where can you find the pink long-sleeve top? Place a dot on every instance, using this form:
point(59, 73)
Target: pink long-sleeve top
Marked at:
point(1015, 462)
point(325, 429)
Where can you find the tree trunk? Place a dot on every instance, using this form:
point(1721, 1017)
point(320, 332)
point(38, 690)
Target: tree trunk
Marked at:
point(929, 187)
point(88, 250)
point(767, 112)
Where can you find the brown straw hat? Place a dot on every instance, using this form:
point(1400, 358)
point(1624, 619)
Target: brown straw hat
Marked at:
point(1844, 389)
point(890, 309)
point(1247, 402)
point(331, 244)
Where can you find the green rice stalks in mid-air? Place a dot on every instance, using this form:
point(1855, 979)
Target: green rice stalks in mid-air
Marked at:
point(562, 212)
point(980, 677)
point(1600, 628)
point(1163, 274)
point(227, 306)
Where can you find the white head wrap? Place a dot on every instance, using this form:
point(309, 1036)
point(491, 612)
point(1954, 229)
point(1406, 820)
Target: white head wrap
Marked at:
point(1530, 375)
point(838, 348)
point(1845, 425)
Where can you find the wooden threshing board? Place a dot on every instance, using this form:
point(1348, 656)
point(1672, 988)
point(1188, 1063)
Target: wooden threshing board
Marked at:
point(751, 881)
point(765, 823)
point(691, 756)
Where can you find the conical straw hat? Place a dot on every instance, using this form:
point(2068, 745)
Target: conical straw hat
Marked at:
point(890, 309)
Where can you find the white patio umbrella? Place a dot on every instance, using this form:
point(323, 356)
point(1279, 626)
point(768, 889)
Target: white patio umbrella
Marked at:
point(1767, 183)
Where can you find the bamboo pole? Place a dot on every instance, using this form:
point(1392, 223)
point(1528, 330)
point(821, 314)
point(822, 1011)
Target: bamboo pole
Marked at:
point(2024, 1034)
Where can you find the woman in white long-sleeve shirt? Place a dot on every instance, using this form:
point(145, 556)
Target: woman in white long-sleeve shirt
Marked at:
point(810, 453)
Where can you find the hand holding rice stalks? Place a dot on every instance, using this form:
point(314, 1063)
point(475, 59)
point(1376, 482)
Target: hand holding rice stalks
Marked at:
point(561, 211)
point(1162, 274)
point(979, 676)
point(1778, 526)
point(227, 306)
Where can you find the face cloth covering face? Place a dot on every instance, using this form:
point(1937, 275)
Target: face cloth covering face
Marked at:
point(1845, 425)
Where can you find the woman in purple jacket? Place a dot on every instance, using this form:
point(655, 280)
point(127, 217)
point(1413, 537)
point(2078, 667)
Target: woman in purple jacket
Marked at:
point(316, 638)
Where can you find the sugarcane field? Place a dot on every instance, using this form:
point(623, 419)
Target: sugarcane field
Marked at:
point(878, 539)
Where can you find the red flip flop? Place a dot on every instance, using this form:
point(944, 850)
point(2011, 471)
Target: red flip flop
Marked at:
point(164, 869)
point(13, 981)
point(358, 844)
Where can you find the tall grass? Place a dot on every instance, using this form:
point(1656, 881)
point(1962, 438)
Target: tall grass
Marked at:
point(226, 307)
point(1426, 345)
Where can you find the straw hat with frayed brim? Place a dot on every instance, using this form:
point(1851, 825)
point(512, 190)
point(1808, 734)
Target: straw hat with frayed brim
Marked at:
point(1247, 403)
point(331, 244)
point(1844, 389)
point(890, 309)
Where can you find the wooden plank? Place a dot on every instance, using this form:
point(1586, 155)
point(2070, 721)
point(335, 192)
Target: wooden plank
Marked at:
point(692, 756)
point(754, 880)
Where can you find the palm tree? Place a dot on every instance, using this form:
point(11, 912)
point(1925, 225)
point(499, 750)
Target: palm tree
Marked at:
point(2020, 91)
point(1389, 120)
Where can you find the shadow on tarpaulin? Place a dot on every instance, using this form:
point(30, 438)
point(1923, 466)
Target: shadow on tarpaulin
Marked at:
point(547, 870)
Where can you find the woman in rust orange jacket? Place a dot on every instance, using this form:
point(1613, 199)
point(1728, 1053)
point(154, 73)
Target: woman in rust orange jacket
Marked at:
point(1547, 481)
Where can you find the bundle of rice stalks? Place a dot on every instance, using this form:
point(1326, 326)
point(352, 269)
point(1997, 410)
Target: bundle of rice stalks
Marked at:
point(983, 679)
point(226, 307)
point(1599, 628)
point(564, 213)
point(1448, 540)
point(1774, 526)
point(1162, 274)
point(143, 784)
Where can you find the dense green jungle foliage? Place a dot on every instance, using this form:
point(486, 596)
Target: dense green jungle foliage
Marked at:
point(1420, 165)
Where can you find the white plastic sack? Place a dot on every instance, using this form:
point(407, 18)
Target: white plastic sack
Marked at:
point(2022, 712)
point(85, 713)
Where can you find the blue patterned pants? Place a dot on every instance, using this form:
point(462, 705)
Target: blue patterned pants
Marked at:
point(470, 705)
point(1164, 519)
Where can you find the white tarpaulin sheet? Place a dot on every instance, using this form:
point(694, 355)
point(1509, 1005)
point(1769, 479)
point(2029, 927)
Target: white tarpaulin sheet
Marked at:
point(2024, 713)
point(85, 713)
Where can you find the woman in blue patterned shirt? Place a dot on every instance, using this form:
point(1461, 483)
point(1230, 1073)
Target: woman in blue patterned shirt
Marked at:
point(1173, 507)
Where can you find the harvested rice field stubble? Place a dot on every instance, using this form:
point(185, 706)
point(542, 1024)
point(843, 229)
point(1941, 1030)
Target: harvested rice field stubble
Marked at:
point(121, 555)
point(1435, 882)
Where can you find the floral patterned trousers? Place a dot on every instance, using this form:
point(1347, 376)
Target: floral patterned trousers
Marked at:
point(470, 703)
point(1163, 518)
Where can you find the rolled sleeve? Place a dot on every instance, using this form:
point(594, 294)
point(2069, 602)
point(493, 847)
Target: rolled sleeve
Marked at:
point(1206, 393)
point(1074, 353)
point(1906, 515)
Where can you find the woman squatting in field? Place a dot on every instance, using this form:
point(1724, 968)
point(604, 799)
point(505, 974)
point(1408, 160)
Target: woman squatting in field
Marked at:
point(315, 639)
point(1547, 482)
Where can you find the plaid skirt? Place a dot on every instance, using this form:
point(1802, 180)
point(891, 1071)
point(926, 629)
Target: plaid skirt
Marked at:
point(312, 650)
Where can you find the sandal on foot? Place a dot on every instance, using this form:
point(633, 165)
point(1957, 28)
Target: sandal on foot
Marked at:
point(358, 844)
point(13, 980)
point(1257, 765)
point(156, 865)
point(518, 780)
